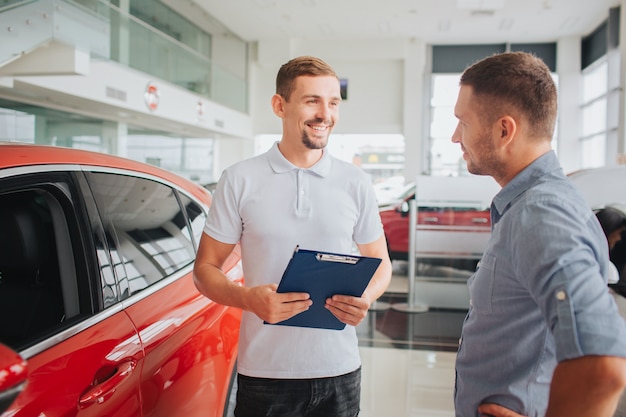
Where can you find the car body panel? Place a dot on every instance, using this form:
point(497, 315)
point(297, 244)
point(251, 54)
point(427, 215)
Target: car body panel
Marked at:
point(61, 377)
point(189, 344)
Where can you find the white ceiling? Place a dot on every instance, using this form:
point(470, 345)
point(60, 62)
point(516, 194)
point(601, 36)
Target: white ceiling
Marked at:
point(433, 21)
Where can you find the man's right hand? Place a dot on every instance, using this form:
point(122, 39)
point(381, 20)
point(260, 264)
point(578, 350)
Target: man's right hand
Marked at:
point(274, 307)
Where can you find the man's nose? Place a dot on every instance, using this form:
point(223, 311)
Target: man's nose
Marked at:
point(456, 136)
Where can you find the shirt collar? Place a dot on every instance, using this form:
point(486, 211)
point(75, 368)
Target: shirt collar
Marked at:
point(522, 182)
point(281, 165)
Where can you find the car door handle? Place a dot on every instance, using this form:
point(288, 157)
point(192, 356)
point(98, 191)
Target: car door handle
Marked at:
point(431, 220)
point(103, 390)
point(479, 220)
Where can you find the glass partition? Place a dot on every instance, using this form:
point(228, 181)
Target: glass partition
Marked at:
point(140, 46)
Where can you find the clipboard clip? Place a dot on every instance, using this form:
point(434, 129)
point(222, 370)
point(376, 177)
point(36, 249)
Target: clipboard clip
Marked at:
point(327, 257)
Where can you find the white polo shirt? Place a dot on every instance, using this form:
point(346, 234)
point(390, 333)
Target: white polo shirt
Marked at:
point(270, 206)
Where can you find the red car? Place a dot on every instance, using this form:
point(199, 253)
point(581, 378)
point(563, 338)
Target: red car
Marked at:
point(100, 316)
point(450, 232)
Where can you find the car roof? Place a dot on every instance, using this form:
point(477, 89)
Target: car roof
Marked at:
point(13, 155)
point(602, 186)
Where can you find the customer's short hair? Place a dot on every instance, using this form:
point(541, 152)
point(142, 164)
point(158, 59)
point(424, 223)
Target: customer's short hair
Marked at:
point(303, 65)
point(519, 80)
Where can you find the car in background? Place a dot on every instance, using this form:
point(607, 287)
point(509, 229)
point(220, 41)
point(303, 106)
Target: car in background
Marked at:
point(100, 315)
point(210, 186)
point(399, 197)
point(603, 186)
point(453, 220)
point(388, 189)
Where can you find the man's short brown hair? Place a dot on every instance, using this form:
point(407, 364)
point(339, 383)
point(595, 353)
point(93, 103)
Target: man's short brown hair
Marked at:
point(517, 80)
point(303, 65)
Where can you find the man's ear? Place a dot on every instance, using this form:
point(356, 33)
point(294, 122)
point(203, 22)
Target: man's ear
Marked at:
point(278, 105)
point(507, 127)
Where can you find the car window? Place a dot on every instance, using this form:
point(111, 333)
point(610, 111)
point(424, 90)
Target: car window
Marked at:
point(147, 229)
point(39, 288)
point(197, 218)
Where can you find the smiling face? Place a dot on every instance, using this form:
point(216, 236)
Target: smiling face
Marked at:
point(311, 111)
point(476, 137)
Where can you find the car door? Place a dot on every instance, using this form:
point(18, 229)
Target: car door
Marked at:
point(83, 352)
point(190, 342)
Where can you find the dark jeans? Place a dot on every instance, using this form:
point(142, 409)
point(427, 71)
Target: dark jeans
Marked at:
point(320, 397)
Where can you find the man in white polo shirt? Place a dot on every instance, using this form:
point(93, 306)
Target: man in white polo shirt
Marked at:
point(295, 194)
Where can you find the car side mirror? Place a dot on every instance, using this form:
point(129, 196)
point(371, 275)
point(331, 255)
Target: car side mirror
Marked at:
point(13, 371)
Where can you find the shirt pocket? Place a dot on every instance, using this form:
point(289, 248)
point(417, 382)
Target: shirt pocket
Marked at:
point(481, 285)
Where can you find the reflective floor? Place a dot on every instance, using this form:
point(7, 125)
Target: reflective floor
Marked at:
point(408, 357)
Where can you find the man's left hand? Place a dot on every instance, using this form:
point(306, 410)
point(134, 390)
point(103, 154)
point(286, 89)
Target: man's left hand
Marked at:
point(348, 309)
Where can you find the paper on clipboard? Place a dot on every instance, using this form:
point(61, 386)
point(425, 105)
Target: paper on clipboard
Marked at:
point(323, 274)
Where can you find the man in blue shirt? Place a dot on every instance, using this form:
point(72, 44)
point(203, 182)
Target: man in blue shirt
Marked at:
point(543, 336)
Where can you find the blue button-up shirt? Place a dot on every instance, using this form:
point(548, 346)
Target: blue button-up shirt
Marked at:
point(539, 295)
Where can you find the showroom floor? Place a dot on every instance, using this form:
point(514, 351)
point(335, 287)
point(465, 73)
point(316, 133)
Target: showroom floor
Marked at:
point(408, 358)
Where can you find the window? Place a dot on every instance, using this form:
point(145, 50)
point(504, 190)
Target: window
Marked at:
point(197, 219)
point(594, 115)
point(445, 157)
point(147, 230)
point(39, 289)
point(448, 63)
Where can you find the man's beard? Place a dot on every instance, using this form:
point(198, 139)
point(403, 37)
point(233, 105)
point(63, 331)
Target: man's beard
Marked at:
point(306, 140)
point(487, 162)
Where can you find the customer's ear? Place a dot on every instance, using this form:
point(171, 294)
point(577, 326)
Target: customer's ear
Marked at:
point(507, 128)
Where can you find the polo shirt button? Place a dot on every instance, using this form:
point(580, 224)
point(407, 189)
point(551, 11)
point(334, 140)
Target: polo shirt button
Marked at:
point(561, 295)
point(471, 303)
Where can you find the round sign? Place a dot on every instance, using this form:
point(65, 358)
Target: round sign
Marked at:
point(151, 96)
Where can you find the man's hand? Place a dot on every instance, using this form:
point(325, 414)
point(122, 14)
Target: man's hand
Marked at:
point(273, 307)
point(495, 410)
point(348, 309)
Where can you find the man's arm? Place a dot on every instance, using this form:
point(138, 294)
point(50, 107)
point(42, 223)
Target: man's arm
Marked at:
point(352, 310)
point(587, 386)
point(261, 300)
point(581, 387)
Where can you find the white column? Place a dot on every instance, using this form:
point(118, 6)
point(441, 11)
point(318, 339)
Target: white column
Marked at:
point(414, 129)
point(115, 138)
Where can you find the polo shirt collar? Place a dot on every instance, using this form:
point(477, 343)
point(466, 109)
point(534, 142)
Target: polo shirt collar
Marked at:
point(281, 165)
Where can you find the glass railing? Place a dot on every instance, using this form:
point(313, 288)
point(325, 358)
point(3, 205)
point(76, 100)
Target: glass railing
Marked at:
point(8, 4)
point(136, 44)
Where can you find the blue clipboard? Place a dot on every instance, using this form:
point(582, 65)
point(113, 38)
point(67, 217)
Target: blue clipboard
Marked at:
point(323, 274)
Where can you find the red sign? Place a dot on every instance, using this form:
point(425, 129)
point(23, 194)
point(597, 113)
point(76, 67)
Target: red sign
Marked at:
point(151, 96)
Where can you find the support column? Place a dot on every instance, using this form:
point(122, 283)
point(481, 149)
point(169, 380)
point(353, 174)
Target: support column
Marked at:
point(570, 83)
point(414, 129)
